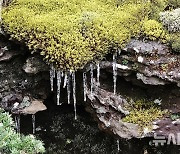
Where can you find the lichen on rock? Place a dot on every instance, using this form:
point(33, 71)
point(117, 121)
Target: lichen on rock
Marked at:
point(71, 34)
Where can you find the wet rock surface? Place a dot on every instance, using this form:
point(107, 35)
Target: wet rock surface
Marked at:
point(152, 62)
point(151, 71)
point(108, 110)
point(16, 83)
point(64, 135)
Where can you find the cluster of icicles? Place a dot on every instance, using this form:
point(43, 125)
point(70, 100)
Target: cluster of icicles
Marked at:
point(68, 80)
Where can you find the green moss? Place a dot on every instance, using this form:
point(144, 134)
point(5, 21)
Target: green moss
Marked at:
point(71, 34)
point(143, 113)
point(176, 44)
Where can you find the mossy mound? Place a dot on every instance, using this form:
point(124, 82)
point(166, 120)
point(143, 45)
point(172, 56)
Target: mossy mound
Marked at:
point(143, 113)
point(71, 34)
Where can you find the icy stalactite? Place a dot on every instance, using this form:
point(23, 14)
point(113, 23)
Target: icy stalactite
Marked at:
point(68, 87)
point(74, 94)
point(119, 51)
point(98, 74)
point(85, 85)
point(65, 80)
point(114, 71)
point(118, 147)
point(59, 74)
point(33, 123)
point(52, 76)
point(91, 75)
point(18, 123)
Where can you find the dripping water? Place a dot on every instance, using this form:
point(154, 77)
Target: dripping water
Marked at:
point(52, 76)
point(114, 71)
point(68, 87)
point(118, 147)
point(119, 51)
point(58, 86)
point(74, 94)
point(65, 80)
point(98, 73)
point(34, 123)
point(85, 85)
point(18, 123)
point(91, 74)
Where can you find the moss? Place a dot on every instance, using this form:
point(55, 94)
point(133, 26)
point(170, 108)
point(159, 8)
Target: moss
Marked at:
point(143, 113)
point(173, 4)
point(71, 34)
point(176, 44)
point(154, 30)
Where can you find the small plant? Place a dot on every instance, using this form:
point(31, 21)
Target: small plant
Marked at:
point(164, 67)
point(135, 66)
point(13, 143)
point(176, 45)
point(175, 116)
point(125, 61)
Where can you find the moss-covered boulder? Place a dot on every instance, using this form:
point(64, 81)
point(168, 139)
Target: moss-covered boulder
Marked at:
point(71, 34)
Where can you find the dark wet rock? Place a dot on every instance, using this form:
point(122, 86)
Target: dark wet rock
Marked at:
point(34, 107)
point(35, 65)
point(108, 109)
point(15, 83)
point(167, 126)
point(24, 85)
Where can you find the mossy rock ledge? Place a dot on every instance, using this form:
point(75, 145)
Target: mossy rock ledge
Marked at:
point(70, 34)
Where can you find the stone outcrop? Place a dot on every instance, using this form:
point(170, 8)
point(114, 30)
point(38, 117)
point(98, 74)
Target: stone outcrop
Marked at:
point(21, 75)
point(150, 66)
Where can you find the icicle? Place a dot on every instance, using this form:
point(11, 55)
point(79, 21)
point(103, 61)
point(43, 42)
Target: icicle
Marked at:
point(52, 76)
point(68, 87)
point(98, 74)
point(54, 72)
point(65, 80)
point(34, 123)
point(91, 72)
point(114, 71)
point(119, 51)
point(74, 93)
point(118, 145)
point(17, 123)
point(58, 86)
point(85, 85)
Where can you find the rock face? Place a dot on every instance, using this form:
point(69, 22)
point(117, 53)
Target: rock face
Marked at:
point(149, 66)
point(153, 67)
point(21, 75)
point(109, 111)
point(152, 62)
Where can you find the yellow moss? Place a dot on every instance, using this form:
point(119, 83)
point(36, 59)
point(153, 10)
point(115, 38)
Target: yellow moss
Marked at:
point(71, 34)
point(154, 30)
point(144, 113)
